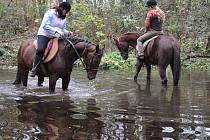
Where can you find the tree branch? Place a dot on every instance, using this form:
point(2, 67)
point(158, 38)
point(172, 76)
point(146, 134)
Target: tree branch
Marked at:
point(197, 56)
point(9, 3)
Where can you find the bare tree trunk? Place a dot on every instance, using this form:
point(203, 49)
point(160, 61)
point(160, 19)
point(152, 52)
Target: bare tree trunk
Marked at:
point(189, 5)
point(208, 43)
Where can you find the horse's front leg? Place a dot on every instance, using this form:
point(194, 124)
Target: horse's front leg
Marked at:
point(139, 64)
point(162, 72)
point(52, 83)
point(148, 66)
point(65, 82)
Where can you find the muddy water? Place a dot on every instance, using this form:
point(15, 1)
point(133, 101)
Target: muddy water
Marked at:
point(110, 107)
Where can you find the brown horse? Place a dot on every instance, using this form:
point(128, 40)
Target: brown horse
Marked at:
point(61, 65)
point(162, 51)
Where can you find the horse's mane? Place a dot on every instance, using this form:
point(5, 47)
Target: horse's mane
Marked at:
point(76, 40)
point(131, 33)
point(129, 36)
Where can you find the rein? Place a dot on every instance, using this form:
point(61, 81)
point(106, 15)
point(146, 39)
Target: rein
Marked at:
point(85, 68)
point(75, 50)
point(91, 58)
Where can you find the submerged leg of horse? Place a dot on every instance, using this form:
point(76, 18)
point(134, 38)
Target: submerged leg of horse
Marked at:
point(65, 82)
point(139, 64)
point(18, 76)
point(52, 83)
point(148, 66)
point(40, 80)
point(24, 76)
point(162, 71)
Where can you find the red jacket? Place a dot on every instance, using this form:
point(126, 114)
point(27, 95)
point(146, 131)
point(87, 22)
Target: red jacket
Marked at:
point(153, 13)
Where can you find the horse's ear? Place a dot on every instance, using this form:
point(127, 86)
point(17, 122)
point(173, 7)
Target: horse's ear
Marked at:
point(103, 48)
point(97, 48)
point(114, 38)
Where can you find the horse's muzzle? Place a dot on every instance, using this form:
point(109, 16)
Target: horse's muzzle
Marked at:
point(91, 78)
point(91, 75)
point(125, 57)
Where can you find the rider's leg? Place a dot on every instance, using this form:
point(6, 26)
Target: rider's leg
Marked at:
point(42, 42)
point(139, 47)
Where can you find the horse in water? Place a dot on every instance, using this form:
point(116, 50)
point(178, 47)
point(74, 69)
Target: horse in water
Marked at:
point(62, 64)
point(161, 51)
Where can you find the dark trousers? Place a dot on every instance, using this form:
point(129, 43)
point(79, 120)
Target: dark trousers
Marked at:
point(42, 42)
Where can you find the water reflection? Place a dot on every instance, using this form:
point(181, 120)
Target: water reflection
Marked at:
point(162, 121)
point(57, 119)
point(147, 114)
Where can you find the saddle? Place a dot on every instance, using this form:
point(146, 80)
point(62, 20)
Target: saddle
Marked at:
point(145, 44)
point(50, 51)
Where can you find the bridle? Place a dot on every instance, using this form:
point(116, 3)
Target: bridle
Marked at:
point(88, 44)
point(83, 53)
point(121, 48)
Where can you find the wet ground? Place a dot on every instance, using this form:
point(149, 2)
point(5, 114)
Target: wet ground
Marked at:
point(110, 107)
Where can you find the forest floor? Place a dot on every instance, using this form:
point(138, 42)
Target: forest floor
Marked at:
point(9, 49)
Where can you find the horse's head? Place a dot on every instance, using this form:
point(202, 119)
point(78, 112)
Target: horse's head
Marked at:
point(92, 58)
point(122, 46)
point(124, 41)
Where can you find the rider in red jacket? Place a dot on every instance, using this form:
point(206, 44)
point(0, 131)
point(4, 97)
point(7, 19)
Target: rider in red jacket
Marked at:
point(154, 26)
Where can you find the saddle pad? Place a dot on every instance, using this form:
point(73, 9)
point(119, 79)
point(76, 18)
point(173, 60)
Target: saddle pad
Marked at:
point(50, 51)
point(147, 42)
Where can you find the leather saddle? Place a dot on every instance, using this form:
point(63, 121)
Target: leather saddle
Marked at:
point(50, 51)
point(146, 43)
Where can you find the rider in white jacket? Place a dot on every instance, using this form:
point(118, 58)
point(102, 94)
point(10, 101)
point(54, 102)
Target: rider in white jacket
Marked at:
point(53, 25)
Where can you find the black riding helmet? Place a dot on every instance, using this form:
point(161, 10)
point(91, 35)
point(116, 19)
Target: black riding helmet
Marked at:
point(66, 6)
point(151, 3)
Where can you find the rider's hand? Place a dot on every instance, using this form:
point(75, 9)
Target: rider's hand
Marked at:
point(60, 33)
point(70, 34)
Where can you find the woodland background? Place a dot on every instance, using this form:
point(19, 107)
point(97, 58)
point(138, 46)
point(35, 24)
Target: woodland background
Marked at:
point(96, 20)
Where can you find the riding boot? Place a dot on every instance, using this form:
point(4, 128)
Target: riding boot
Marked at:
point(140, 50)
point(36, 63)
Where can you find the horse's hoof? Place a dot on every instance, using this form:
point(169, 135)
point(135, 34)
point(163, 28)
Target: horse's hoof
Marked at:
point(16, 83)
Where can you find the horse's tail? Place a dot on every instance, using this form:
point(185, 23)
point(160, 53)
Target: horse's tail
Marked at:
point(176, 63)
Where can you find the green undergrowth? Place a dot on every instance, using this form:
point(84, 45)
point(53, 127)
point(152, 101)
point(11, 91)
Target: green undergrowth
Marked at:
point(113, 60)
point(7, 56)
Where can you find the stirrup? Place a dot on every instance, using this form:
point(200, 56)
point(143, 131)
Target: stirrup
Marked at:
point(32, 74)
